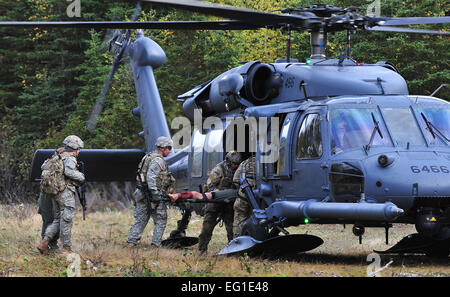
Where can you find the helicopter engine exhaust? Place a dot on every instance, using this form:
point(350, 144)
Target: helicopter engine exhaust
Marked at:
point(312, 209)
point(255, 82)
point(258, 83)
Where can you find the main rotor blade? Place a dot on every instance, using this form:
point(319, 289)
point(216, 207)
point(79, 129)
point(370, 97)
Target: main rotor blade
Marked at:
point(406, 30)
point(98, 107)
point(400, 21)
point(242, 14)
point(175, 25)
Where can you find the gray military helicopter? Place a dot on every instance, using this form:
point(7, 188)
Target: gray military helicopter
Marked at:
point(354, 146)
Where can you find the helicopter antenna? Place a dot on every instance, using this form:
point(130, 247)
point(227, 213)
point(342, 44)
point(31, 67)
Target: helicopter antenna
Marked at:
point(346, 53)
point(348, 43)
point(437, 90)
point(288, 49)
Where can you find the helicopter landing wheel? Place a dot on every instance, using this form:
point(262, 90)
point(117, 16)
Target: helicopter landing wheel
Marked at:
point(253, 229)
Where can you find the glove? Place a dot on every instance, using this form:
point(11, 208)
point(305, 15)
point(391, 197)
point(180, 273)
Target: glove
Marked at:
point(156, 196)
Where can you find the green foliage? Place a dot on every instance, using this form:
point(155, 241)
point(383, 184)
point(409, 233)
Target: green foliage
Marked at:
point(52, 77)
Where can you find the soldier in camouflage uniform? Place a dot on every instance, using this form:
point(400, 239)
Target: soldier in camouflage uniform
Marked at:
point(64, 201)
point(154, 175)
point(45, 209)
point(242, 207)
point(220, 178)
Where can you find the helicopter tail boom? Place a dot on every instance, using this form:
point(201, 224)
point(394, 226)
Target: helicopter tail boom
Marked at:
point(101, 165)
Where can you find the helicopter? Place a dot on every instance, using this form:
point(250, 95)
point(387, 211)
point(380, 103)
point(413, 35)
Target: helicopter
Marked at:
point(353, 146)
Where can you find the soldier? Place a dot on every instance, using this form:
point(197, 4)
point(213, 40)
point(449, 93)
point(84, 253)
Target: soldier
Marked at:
point(153, 181)
point(45, 209)
point(242, 207)
point(64, 200)
point(220, 178)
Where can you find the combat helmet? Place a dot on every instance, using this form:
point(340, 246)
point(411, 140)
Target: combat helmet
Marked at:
point(233, 157)
point(164, 141)
point(73, 142)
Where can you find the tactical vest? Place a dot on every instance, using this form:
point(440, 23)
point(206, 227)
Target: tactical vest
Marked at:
point(247, 169)
point(226, 182)
point(220, 178)
point(164, 179)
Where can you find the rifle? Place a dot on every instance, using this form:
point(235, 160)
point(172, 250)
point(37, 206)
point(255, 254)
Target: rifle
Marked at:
point(245, 186)
point(258, 215)
point(144, 189)
point(81, 190)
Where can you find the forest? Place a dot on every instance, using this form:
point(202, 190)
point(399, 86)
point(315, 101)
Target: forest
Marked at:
point(51, 78)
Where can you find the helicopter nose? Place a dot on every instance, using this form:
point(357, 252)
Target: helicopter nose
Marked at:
point(400, 177)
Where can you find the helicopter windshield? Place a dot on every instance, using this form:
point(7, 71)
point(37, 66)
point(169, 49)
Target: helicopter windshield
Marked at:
point(353, 127)
point(403, 126)
point(440, 119)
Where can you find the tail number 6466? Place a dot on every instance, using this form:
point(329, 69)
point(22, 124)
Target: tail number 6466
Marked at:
point(430, 169)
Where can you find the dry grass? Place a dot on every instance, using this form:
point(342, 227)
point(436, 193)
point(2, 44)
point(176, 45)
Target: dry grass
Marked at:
point(100, 242)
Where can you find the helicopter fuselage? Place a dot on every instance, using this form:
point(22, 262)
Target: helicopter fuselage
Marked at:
point(389, 156)
point(405, 170)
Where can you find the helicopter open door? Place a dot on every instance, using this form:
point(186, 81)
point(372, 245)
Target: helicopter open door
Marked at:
point(206, 152)
point(196, 173)
point(214, 152)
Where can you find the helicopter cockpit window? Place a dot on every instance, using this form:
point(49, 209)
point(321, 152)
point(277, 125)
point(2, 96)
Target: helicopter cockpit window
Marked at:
point(198, 141)
point(403, 126)
point(309, 141)
point(214, 149)
point(439, 121)
point(353, 127)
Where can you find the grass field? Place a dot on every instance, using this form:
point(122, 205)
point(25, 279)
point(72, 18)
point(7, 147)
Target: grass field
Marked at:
point(100, 243)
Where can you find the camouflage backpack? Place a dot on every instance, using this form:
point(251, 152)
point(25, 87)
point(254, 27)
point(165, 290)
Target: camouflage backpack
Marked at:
point(52, 176)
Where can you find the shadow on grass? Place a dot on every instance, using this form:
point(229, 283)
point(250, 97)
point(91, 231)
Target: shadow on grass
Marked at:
point(358, 259)
point(411, 260)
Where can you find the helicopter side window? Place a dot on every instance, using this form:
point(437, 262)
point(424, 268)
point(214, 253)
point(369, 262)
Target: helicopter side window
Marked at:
point(439, 121)
point(309, 141)
point(283, 145)
point(353, 127)
point(403, 126)
point(198, 140)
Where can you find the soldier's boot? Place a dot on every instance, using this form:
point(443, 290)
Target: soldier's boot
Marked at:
point(67, 249)
point(53, 245)
point(43, 246)
point(154, 246)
